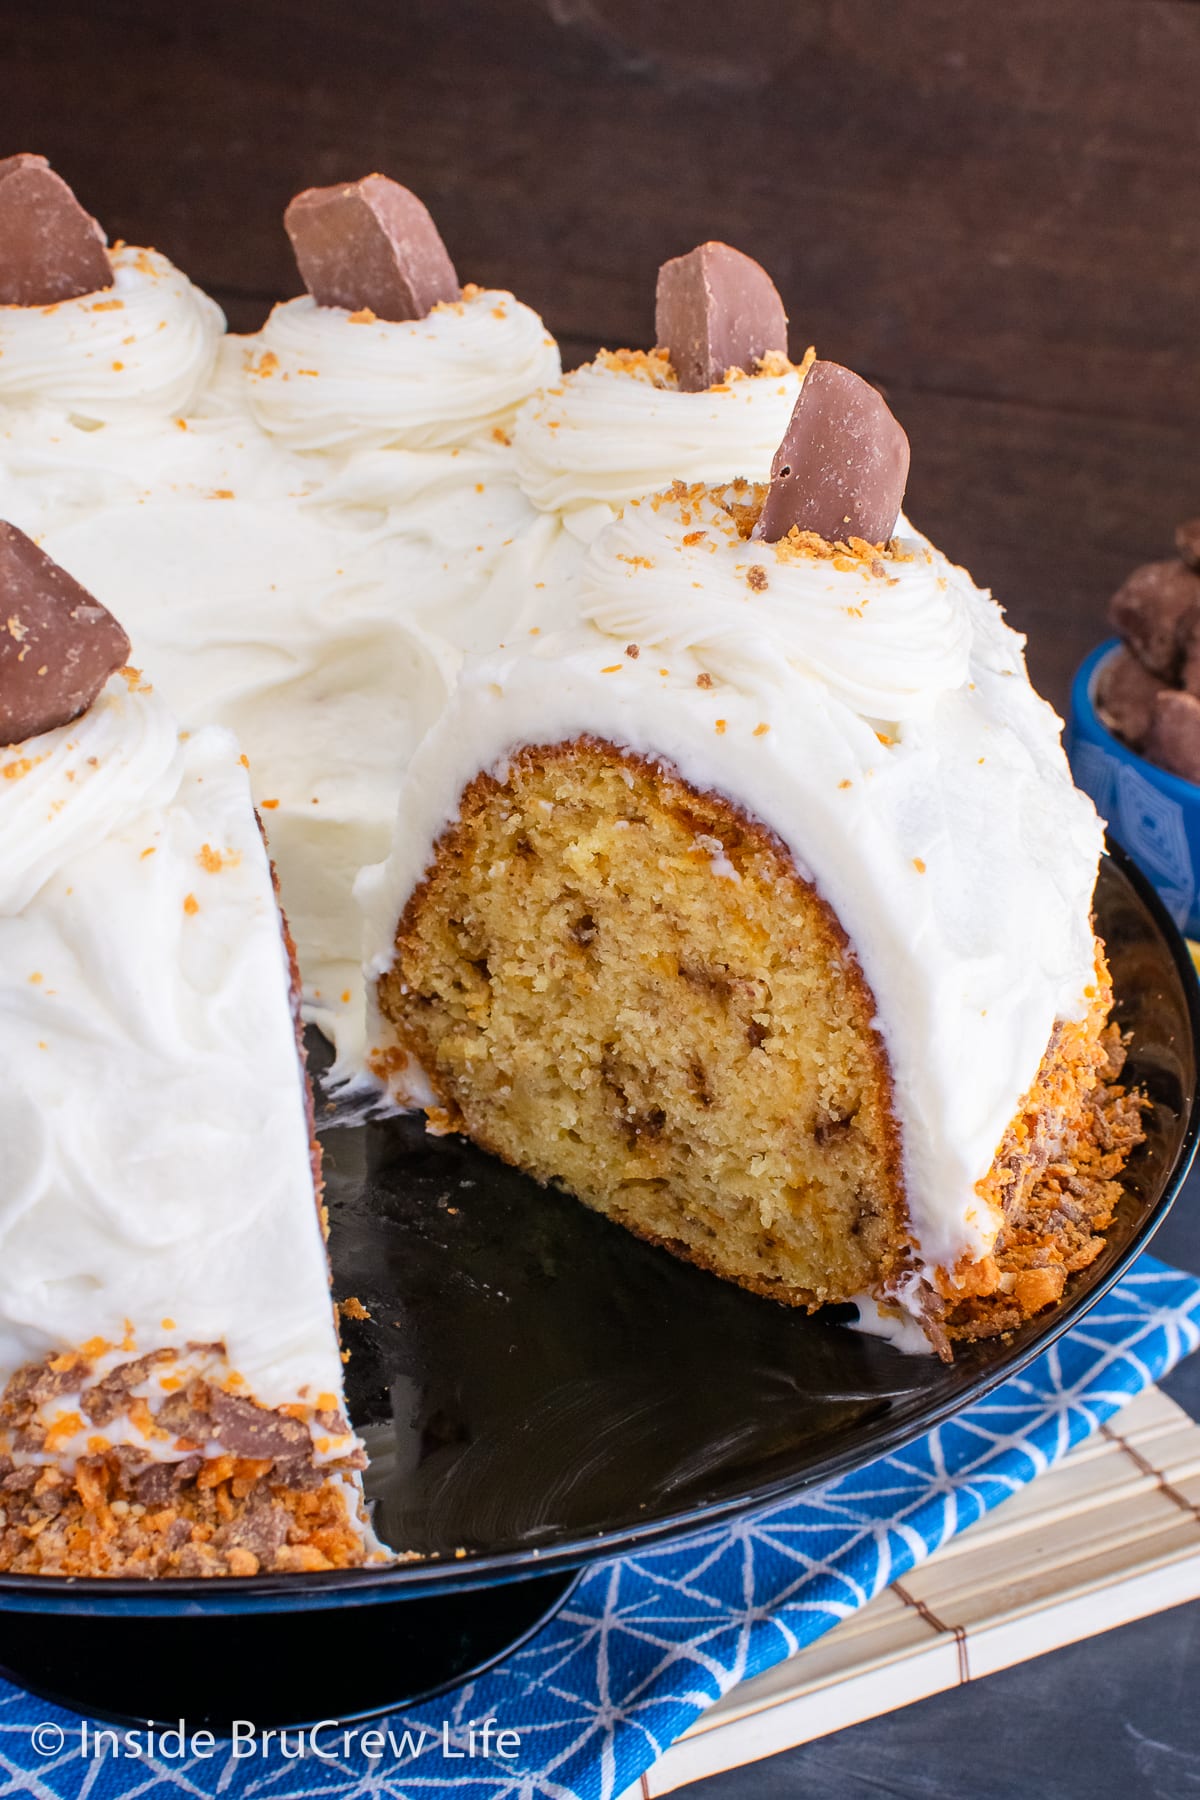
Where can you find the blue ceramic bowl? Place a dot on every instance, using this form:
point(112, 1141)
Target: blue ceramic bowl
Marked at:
point(1153, 815)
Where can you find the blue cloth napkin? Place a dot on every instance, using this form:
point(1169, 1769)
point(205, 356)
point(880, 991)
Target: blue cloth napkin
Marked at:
point(647, 1642)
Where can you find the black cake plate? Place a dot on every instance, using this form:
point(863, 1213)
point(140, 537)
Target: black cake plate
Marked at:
point(538, 1389)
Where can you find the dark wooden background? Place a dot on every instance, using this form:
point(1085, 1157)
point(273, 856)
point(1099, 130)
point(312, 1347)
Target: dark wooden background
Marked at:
point(991, 207)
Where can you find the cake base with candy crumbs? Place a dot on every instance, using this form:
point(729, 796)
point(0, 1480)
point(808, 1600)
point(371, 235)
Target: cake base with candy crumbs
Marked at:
point(263, 1504)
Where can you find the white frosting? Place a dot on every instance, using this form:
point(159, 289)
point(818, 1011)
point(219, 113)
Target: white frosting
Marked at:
point(304, 531)
point(609, 432)
point(885, 638)
point(899, 1329)
point(320, 378)
point(605, 435)
point(153, 1128)
point(315, 600)
point(145, 345)
point(55, 470)
point(260, 617)
point(872, 751)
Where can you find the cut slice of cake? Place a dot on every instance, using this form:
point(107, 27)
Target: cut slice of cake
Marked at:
point(754, 906)
point(170, 1378)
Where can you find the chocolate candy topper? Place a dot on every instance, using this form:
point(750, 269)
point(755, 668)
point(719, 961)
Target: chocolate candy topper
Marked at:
point(370, 245)
point(1173, 738)
point(716, 310)
point(58, 646)
point(842, 467)
point(1156, 611)
point(50, 249)
point(1187, 542)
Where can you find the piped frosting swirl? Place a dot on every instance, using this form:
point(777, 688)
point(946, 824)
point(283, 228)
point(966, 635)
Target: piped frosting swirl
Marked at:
point(321, 378)
point(621, 426)
point(886, 631)
point(143, 348)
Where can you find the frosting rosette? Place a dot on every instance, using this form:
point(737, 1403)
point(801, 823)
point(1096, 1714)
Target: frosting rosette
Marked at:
point(885, 631)
point(322, 378)
point(143, 348)
point(63, 792)
point(620, 426)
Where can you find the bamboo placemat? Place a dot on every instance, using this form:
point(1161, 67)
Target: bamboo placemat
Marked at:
point(1109, 1535)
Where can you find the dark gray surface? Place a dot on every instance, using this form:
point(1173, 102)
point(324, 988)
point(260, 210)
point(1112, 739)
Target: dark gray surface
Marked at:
point(1115, 1716)
point(1118, 1715)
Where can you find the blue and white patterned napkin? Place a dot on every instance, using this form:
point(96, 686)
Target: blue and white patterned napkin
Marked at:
point(647, 1642)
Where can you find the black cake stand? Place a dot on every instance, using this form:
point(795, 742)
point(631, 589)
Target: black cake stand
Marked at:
point(538, 1390)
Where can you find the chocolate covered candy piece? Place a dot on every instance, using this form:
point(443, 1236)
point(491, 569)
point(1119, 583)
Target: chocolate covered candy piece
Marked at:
point(1187, 542)
point(1153, 611)
point(370, 244)
point(245, 1429)
point(1189, 662)
point(1173, 740)
point(715, 310)
point(842, 467)
point(1125, 697)
point(58, 646)
point(50, 249)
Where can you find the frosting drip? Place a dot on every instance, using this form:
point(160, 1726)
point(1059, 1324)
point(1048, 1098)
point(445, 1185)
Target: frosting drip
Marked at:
point(311, 591)
point(282, 628)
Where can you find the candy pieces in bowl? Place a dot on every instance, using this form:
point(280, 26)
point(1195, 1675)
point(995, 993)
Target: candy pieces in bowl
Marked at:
point(1134, 730)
